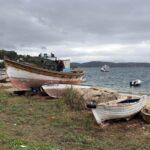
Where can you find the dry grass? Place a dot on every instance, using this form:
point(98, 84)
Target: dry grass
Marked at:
point(74, 100)
point(50, 124)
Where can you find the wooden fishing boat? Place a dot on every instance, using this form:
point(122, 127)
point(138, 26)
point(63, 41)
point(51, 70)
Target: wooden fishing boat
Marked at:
point(59, 90)
point(122, 108)
point(24, 77)
point(145, 113)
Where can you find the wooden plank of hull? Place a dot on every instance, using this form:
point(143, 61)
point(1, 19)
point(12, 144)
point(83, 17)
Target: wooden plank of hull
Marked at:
point(24, 80)
point(55, 93)
point(26, 84)
point(41, 71)
point(102, 113)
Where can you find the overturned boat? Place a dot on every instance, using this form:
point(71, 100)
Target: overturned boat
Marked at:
point(59, 90)
point(122, 108)
point(25, 76)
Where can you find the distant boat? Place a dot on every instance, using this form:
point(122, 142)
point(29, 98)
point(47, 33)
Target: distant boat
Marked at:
point(122, 108)
point(59, 90)
point(135, 82)
point(105, 68)
point(25, 77)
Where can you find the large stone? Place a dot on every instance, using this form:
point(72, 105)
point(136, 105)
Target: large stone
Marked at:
point(98, 94)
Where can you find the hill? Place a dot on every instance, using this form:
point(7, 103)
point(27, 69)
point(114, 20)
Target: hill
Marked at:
point(111, 64)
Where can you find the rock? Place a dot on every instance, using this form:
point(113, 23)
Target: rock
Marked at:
point(99, 95)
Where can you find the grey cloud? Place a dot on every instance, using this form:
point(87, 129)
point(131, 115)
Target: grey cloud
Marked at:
point(67, 24)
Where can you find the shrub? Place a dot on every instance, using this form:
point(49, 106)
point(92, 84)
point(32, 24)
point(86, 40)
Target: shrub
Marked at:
point(74, 100)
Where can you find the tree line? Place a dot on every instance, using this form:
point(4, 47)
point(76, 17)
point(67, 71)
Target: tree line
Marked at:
point(37, 61)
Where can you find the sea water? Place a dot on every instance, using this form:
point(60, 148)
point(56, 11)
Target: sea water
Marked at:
point(119, 78)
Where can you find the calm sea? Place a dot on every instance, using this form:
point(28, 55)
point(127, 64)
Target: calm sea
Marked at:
point(119, 78)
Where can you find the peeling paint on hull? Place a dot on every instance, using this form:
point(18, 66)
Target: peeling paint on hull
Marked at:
point(25, 77)
point(26, 84)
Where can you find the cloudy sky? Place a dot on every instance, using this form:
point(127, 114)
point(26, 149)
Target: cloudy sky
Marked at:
point(83, 30)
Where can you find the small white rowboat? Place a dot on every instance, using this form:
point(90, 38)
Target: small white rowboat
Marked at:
point(122, 108)
point(59, 90)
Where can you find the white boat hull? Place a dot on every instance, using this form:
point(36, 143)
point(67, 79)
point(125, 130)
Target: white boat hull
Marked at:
point(110, 111)
point(59, 90)
point(24, 80)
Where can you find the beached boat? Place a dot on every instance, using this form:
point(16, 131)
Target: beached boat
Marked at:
point(25, 77)
point(59, 90)
point(122, 108)
point(105, 68)
point(145, 113)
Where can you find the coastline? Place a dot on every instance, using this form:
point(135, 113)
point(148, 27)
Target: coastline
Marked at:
point(7, 86)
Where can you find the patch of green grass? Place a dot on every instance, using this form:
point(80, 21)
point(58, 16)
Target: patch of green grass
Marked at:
point(2, 124)
point(2, 108)
point(7, 142)
point(4, 95)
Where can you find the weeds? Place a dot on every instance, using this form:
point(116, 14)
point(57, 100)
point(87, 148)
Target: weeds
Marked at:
point(60, 124)
point(74, 100)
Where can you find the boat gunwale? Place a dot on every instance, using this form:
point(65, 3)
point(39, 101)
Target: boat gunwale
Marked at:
point(41, 71)
point(116, 103)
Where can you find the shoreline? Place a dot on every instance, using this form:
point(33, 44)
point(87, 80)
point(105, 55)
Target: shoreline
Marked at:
point(10, 89)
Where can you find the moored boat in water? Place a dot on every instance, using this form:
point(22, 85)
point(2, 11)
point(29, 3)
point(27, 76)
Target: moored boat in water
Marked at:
point(105, 68)
point(59, 90)
point(24, 76)
point(122, 108)
point(136, 82)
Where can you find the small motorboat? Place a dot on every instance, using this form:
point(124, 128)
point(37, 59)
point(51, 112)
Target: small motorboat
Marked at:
point(59, 90)
point(105, 68)
point(145, 113)
point(135, 82)
point(117, 109)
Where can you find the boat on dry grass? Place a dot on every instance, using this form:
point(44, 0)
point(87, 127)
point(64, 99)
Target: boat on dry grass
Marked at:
point(25, 77)
point(145, 113)
point(59, 90)
point(121, 108)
